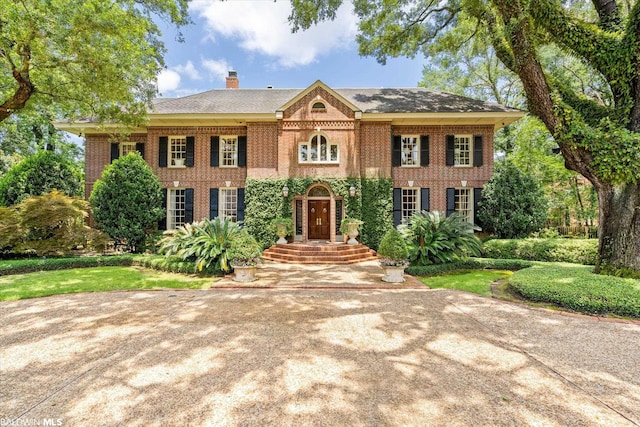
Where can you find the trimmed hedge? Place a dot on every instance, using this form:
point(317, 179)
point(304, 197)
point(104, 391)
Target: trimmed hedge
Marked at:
point(471, 263)
point(22, 266)
point(576, 251)
point(172, 264)
point(577, 288)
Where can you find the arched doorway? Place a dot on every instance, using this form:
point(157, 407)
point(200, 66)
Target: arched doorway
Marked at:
point(319, 213)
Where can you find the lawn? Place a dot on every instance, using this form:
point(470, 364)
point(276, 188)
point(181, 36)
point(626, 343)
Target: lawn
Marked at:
point(98, 279)
point(476, 281)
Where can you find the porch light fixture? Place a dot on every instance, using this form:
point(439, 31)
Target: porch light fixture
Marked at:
point(285, 191)
point(352, 191)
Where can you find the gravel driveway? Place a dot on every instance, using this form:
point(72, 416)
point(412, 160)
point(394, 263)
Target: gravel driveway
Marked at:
point(310, 358)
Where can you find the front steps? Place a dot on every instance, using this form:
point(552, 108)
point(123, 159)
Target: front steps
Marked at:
point(319, 253)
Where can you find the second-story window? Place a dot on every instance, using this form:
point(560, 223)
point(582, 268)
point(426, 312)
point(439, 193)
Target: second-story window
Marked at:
point(462, 150)
point(318, 150)
point(228, 151)
point(177, 151)
point(410, 151)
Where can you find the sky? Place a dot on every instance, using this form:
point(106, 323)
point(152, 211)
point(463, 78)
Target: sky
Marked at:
point(253, 38)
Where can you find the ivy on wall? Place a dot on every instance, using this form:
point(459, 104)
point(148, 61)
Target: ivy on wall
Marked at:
point(264, 202)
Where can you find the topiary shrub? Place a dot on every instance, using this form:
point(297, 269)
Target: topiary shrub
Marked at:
point(244, 250)
point(434, 238)
point(127, 202)
point(513, 205)
point(40, 174)
point(393, 249)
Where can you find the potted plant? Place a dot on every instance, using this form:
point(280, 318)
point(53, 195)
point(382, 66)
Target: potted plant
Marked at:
point(394, 256)
point(349, 227)
point(243, 254)
point(284, 228)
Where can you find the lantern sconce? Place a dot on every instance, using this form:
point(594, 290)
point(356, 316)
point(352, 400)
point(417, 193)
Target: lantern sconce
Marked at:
point(352, 191)
point(285, 191)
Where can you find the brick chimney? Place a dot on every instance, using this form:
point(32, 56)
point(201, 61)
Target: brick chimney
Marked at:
point(232, 80)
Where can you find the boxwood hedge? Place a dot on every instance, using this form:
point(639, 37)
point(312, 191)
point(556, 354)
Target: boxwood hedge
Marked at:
point(22, 266)
point(471, 263)
point(576, 251)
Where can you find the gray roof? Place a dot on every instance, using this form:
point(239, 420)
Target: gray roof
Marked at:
point(371, 100)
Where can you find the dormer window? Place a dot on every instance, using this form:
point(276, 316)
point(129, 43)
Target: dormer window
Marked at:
point(318, 150)
point(318, 107)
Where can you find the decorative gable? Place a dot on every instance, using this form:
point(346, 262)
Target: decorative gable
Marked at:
point(318, 102)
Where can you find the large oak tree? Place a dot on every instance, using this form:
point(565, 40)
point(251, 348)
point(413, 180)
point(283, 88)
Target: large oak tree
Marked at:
point(90, 58)
point(598, 137)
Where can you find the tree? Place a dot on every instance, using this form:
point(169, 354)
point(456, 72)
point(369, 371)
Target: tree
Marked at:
point(127, 202)
point(92, 59)
point(39, 174)
point(598, 136)
point(513, 205)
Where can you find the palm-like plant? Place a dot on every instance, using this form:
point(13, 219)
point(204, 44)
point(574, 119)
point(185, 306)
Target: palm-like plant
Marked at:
point(206, 242)
point(434, 238)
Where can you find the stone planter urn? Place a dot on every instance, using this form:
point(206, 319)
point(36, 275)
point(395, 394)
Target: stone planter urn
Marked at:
point(281, 231)
point(349, 227)
point(393, 274)
point(244, 274)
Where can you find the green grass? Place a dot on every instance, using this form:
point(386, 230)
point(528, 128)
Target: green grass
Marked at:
point(476, 281)
point(576, 288)
point(97, 279)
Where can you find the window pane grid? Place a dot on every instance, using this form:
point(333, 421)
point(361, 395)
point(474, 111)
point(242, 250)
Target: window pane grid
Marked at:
point(318, 150)
point(462, 151)
point(229, 151)
point(409, 202)
point(126, 148)
point(409, 151)
point(463, 203)
point(229, 204)
point(178, 150)
point(176, 208)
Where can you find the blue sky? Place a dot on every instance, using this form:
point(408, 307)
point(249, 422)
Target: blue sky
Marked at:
point(253, 38)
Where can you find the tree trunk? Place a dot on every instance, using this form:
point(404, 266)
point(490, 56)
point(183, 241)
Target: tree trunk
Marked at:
point(619, 228)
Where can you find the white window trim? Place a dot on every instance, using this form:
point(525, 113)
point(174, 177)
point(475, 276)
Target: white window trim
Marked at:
point(169, 158)
point(318, 162)
point(123, 144)
point(221, 201)
point(418, 202)
point(221, 153)
point(470, 151)
point(469, 215)
point(418, 142)
point(170, 216)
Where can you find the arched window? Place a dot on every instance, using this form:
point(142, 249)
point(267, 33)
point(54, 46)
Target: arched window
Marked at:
point(318, 150)
point(318, 106)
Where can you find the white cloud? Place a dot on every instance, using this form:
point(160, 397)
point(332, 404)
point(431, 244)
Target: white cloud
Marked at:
point(189, 70)
point(217, 68)
point(262, 27)
point(168, 80)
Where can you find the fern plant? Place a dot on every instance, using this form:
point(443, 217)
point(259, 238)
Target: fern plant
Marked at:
point(434, 238)
point(205, 242)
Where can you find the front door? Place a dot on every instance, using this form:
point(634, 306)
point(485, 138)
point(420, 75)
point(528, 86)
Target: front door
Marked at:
point(319, 223)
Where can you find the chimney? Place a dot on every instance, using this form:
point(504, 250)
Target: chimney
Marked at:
point(232, 80)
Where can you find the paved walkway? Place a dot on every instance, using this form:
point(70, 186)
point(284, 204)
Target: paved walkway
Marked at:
point(311, 357)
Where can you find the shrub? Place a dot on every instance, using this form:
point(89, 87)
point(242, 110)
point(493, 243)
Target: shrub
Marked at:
point(512, 205)
point(244, 250)
point(435, 238)
point(377, 196)
point(40, 174)
point(577, 288)
point(24, 266)
point(393, 249)
point(172, 264)
point(205, 243)
point(577, 251)
point(470, 263)
point(127, 202)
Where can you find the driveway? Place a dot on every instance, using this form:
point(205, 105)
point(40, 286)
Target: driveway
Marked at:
point(294, 357)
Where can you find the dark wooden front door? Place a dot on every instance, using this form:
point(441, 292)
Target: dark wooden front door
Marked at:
point(319, 223)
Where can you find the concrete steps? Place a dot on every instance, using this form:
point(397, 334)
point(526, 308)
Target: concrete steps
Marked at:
point(319, 253)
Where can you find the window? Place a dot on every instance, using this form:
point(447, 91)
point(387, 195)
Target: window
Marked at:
point(462, 150)
point(228, 151)
point(177, 151)
point(318, 150)
point(176, 208)
point(410, 151)
point(410, 202)
point(228, 204)
point(464, 203)
point(127, 147)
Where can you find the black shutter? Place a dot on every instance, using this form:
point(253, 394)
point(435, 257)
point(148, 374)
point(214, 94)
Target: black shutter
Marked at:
point(162, 224)
point(163, 147)
point(424, 199)
point(397, 206)
point(215, 151)
point(115, 151)
point(477, 196)
point(451, 201)
point(242, 151)
point(140, 148)
point(396, 151)
point(477, 150)
point(240, 212)
point(451, 142)
point(188, 205)
point(424, 150)
point(191, 142)
point(213, 203)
